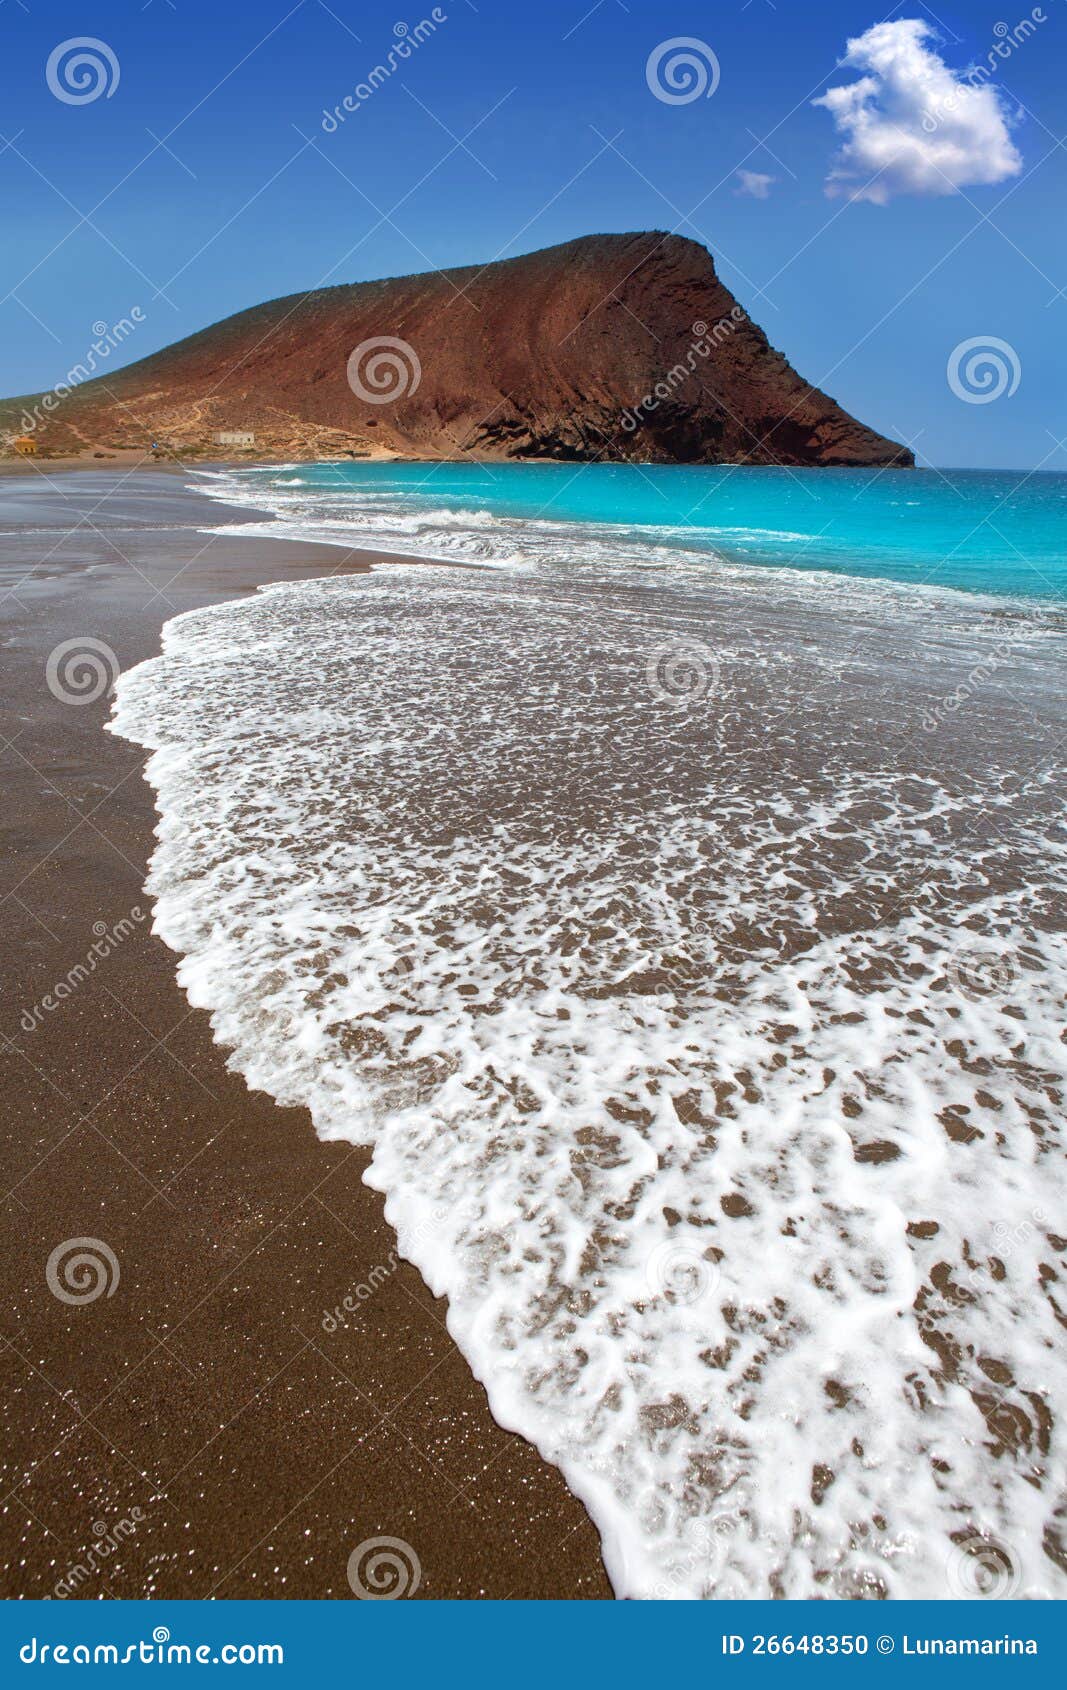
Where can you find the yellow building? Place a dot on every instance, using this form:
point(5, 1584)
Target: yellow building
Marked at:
point(26, 445)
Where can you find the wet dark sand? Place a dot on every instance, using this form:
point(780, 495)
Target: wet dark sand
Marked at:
point(202, 1404)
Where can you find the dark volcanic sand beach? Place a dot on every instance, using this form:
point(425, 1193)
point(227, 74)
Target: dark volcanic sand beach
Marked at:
point(202, 1404)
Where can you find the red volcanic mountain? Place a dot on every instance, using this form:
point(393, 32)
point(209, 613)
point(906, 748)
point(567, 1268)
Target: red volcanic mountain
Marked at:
point(612, 347)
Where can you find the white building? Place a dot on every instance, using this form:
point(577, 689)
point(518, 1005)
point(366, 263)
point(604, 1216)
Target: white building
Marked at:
point(234, 437)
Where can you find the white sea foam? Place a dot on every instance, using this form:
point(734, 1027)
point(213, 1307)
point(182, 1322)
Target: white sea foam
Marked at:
point(709, 1051)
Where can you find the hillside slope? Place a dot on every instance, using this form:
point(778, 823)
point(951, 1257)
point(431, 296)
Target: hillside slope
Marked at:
point(614, 347)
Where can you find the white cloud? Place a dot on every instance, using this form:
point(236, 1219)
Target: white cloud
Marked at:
point(754, 183)
point(912, 125)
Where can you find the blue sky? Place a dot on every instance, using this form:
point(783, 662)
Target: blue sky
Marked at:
point(513, 126)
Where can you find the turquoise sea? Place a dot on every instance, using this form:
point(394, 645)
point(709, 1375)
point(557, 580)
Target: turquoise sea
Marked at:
point(993, 533)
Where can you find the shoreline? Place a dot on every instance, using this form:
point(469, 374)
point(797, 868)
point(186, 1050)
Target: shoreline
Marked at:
point(211, 1402)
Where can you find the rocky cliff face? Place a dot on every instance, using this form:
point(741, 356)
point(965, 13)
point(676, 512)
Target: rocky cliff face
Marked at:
point(612, 347)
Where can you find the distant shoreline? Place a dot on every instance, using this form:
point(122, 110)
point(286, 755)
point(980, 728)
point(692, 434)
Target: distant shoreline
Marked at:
point(137, 460)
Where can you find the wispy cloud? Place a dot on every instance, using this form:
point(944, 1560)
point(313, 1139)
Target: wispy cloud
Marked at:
point(754, 183)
